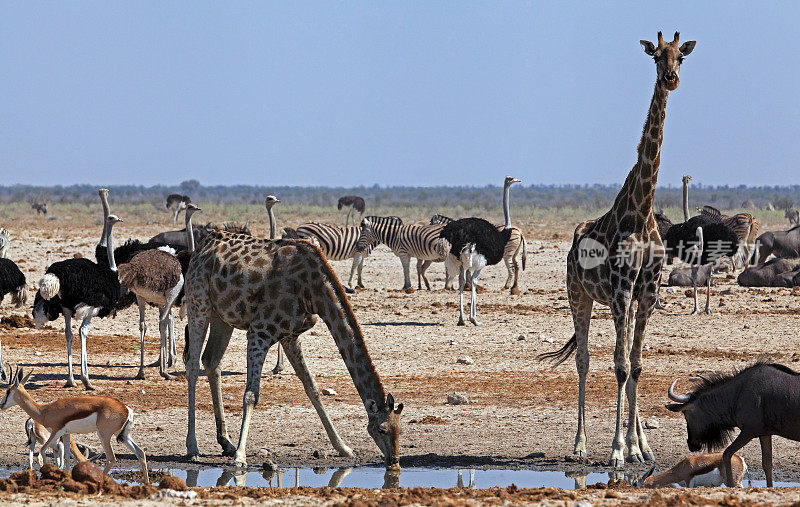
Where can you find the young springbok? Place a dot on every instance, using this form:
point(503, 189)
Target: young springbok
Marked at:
point(109, 417)
point(705, 470)
point(38, 434)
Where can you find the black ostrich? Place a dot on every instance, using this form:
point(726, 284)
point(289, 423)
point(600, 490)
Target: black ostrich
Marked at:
point(474, 244)
point(82, 289)
point(177, 203)
point(12, 281)
point(354, 202)
point(701, 241)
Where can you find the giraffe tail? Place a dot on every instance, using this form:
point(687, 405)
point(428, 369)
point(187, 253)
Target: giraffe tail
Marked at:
point(559, 356)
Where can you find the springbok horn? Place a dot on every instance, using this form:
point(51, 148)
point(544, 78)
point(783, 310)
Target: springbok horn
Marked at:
point(677, 36)
point(660, 39)
point(640, 481)
point(677, 398)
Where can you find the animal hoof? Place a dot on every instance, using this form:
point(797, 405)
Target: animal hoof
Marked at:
point(648, 456)
point(69, 383)
point(634, 458)
point(616, 463)
point(460, 323)
point(168, 376)
point(349, 290)
point(139, 376)
point(91, 387)
point(229, 451)
point(277, 370)
point(192, 456)
point(475, 321)
point(515, 290)
point(240, 464)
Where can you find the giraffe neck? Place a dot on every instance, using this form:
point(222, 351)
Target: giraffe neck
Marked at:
point(639, 190)
point(331, 304)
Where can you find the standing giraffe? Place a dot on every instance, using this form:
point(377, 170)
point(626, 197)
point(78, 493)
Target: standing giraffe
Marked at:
point(628, 276)
point(273, 289)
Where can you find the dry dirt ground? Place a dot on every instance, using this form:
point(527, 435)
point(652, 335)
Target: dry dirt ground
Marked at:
point(518, 406)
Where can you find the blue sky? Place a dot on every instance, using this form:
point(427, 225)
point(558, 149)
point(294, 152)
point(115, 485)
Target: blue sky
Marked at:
point(394, 93)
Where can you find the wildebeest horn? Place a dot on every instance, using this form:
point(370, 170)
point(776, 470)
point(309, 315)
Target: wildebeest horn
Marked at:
point(701, 377)
point(674, 397)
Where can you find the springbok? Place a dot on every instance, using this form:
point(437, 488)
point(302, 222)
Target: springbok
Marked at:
point(705, 470)
point(38, 434)
point(107, 416)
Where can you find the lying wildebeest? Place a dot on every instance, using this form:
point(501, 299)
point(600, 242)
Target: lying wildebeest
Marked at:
point(762, 400)
point(705, 470)
point(782, 244)
point(774, 273)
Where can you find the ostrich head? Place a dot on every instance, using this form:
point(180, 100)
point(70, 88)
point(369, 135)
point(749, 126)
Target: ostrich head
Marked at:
point(510, 180)
point(191, 208)
point(668, 57)
point(270, 201)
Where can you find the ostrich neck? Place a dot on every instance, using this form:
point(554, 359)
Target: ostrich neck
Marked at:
point(639, 190)
point(506, 206)
point(189, 233)
point(112, 264)
point(273, 224)
point(685, 201)
point(106, 212)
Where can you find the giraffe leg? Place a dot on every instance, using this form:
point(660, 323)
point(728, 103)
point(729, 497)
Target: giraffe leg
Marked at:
point(218, 338)
point(142, 332)
point(258, 343)
point(295, 355)
point(69, 337)
point(620, 312)
point(632, 436)
point(194, 335)
point(581, 305)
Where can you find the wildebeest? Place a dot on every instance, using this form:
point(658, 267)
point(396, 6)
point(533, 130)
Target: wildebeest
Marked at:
point(783, 244)
point(762, 400)
point(773, 273)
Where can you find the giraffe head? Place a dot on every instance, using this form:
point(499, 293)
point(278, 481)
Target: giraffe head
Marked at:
point(384, 427)
point(668, 57)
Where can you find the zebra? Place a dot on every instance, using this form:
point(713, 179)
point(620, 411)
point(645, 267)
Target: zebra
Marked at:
point(339, 243)
point(513, 248)
point(407, 241)
point(746, 228)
